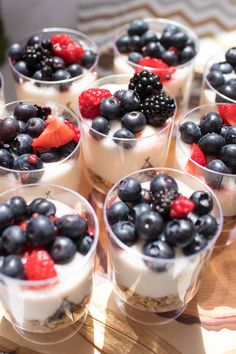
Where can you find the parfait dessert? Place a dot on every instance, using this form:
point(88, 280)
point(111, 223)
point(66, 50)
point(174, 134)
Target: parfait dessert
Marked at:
point(162, 226)
point(48, 243)
point(54, 64)
point(127, 125)
point(39, 142)
point(163, 47)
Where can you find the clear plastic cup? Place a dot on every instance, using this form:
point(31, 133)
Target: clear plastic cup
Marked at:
point(105, 160)
point(2, 97)
point(179, 85)
point(223, 185)
point(64, 92)
point(64, 172)
point(50, 311)
point(143, 293)
point(209, 94)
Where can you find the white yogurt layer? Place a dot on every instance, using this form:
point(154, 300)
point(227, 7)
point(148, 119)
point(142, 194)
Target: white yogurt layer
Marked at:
point(111, 161)
point(130, 270)
point(28, 90)
point(75, 282)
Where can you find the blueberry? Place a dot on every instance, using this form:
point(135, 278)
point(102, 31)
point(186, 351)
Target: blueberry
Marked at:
point(61, 74)
point(135, 57)
point(187, 54)
point(34, 127)
point(21, 126)
point(211, 123)
point(158, 249)
point(214, 179)
point(206, 226)
point(216, 78)
point(34, 203)
point(179, 232)
point(12, 267)
point(125, 231)
point(135, 43)
point(190, 43)
point(228, 155)
point(38, 75)
point(9, 129)
point(15, 51)
point(162, 181)
point(62, 250)
point(22, 144)
point(40, 230)
point(43, 207)
point(190, 132)
point(118, 211)
point(154, 50)
point(166, 39)
point(124, 138)
point(230, 56)
point(232, 82)
point(35, 39)
point(223, 67)
point(169, 58)
point(211, 144)
point(230, 135)
point(198, 244)
point(139, 209)
point(19, 208)
point(130, 101)
point(51, 155)
point(67, 149)
point(73, 226)
point(101, 125)
point(22, 68)
point(203, 202)
point(58, 63)
point(129, 189)
point(27, 163)
point(149, 225)
point(110, 108)
point(6, 216)
point(89, 58)
point(134, 121)
point(224, 130)
point(25, 111)
point(228, 91)
point(74, 70)
point(149, 37)
point(84, 244)
point(138, 27)
point(171, 28)
point(14, 239)
point(123, 43)
point(6, 159)
point(179, 40)
point(119, 94)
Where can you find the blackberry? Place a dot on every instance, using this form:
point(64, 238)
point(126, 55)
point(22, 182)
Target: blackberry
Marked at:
point(158, 109)
point(145, 84)
point(36, 55)
point(43, 112)
point(162, 200)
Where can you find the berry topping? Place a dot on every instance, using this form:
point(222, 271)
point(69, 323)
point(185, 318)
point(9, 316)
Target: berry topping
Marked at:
point(13, 239)
point(228, 155)
point(158, 249)
point(40, 230)
point(149, 225)
point(42, 206)
point(145, 84)
point(227, 112)
point(197, 155)
point(163, 70)
point(6, 216)
point(203, 202)
point(73, 226)
point(137, 27)
point(62, 250)
point(75, 129)
point(56, 134)
point(179, 232)
point(22, 144)
point(137, 210)
point(119, 211)
point(89, 101)
point(206, 226)
point(230, 56)
point(211, 143)
point(162, 181)
point(190, 132)
point(9, 128)
point(216, 78)
point(89, 58)
point(124, 138)
point(211, 123)
point(134, 121)
point(110, 108)
point(198, 243)
point(130, 100)
point(66, 48)
point(163, 199)
point(6, 159)
point(39, 266)
point(101, 125)
point(19, 208)
point(129, 190)
point(12, 267)
point(125, 231)
point(180, 207)
point(84, 244)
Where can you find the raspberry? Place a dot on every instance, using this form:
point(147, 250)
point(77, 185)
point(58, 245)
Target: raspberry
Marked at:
point(145, 84)
point(75, 130)
point(180, 207)
point(164, 70)
point(39, 266)
point(89, 101)
point(227, 112)
point(197, 155)
point(64, 47)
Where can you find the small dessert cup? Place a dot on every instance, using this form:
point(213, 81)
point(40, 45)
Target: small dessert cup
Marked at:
point(54, 84)
point(22, 162)
point(2, 97)
point(106, 158)
point(151, 288)
point(53, 309)
point(222, 182)
point(177, 79)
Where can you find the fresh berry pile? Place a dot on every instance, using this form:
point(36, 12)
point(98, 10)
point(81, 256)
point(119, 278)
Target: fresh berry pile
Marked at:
point(165, 220)
point(146, 48)
point(213, 142)
point(31, 137)
point(34, 240)
point(56, 58)
point(143, 103)
point(222, 76)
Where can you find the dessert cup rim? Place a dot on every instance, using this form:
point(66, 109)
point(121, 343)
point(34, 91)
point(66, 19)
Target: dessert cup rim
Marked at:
point(205, 79)
point(169, 121)
point(187, 29)
point(57, 29)
point(56, 163)
point(3, 84)
point(180, 142)
point(126, 248)
point(86, 258)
